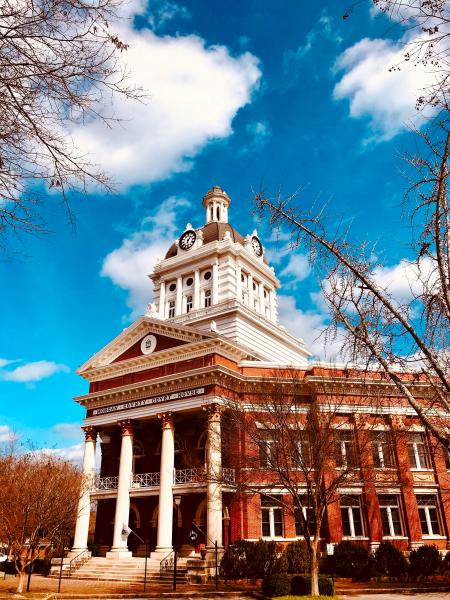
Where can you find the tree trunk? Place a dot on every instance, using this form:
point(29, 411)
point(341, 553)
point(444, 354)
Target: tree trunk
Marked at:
point(314, 569)
point(22, 578)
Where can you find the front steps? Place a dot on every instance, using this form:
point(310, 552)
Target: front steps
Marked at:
point(131, 570)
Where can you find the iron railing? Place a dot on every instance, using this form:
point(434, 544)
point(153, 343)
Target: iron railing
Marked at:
point(166, 565)
point(78, 561)
point(107, 483)
point(146, 480)
point(149, 480)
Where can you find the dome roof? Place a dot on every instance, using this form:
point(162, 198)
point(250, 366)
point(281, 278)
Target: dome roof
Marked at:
point(212, 232)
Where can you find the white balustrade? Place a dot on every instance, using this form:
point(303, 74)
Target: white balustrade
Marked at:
point(148, 480)
point(107, 483)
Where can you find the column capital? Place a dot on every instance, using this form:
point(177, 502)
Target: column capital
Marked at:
point(166, 420)
point(90, 433)
point(127, 426)
point(213, 411)
point(397, 422)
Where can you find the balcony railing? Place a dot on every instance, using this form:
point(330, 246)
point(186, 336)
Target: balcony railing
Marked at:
point(107, 483)
point(149, 480)
point(146, 480)
point(189, 476)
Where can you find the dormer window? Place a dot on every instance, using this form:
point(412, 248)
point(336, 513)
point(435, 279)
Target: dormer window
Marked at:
point(207, 298)
point(188, 303)
point(171, 309)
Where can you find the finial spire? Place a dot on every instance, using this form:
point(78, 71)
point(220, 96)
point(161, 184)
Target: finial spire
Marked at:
point(216, 202)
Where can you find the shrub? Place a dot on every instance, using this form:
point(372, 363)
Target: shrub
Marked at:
point(278, 584)
point(262, 559)
point(234, 561)
point(446, 562)
point(252, 560)
point(41, 566)
point(425, 560)
point(301, 585)
point(351, 560)
point(297, 557)
point(389, 560)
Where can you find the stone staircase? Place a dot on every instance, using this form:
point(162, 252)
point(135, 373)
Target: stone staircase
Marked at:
point(131, 570)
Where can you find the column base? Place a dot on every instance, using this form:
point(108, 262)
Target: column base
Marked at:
point(160, 553)
point(118, 553)
point(76, 551)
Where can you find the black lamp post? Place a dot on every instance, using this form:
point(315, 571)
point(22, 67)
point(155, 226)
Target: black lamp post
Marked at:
point(126, 532)
point(177, 501)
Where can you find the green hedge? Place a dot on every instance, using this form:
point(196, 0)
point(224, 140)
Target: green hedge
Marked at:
point(252, 560)
point(389, 560)
point(351, 560)
point(278, 584)
point(301, 585)
point(426, 560)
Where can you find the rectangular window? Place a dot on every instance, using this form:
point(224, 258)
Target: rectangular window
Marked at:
point(390, 514)
point(346, 455)
point(189, 303)
point(171, 309)
point(271, 517)
point(382, 450)
point(351, 514)
point(301, 451)
point(207, 298)
point(447, 458)
point(418, 451)
point(267, 449)
point(308, 514)
point(429, 514)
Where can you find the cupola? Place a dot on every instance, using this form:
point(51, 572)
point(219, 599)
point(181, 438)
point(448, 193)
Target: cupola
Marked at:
point(216, 203)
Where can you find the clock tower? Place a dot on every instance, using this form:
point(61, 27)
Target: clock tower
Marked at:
point(216, 279)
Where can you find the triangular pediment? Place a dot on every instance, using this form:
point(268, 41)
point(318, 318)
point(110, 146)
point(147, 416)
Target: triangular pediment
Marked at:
point(130, 343)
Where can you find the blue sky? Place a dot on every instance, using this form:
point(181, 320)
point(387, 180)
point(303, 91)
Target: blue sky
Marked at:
point(246, 95)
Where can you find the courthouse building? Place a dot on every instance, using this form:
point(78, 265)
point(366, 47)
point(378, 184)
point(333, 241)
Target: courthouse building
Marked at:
point(156, 400)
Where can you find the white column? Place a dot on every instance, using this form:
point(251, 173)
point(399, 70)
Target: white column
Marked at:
point(196, 289)
point(239, 283)
point(120, 547)
point(165, 510)
point(251, 302)
point(84, 503)
point(273, 309)
point(213, 478)
point(262, 301)
point(215, 283)
point(179, 299)
point(162, 299)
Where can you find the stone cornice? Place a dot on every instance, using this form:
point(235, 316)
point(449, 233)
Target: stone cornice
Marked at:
point(218, 345)
point(134, 332)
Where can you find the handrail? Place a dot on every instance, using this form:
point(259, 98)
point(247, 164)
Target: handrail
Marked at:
point(166, 563)
point(73, 564)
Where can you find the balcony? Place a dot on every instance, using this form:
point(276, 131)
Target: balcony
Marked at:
point(152, 480)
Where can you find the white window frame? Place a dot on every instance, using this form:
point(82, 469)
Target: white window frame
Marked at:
point(426, 509)
point(270, 510)
point(388, 510)
point(351, 521)
point(189, 303)
point(207, 299)
point(343, 448)
point(380, 445)
point(171, 311)
point(415, 446)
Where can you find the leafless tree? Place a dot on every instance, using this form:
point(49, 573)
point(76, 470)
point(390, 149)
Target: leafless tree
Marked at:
point(58, 60)
point(302, 445)
point(39, 506)
point(396, 335)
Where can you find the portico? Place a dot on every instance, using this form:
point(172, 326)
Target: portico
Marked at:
point(147, 496)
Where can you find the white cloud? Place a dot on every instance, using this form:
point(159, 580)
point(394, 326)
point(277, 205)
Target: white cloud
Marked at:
point(72, 453)
point(6, 434)
point(386, 97)
point(308, 325)
point(195, 92)
point(297, 267)
point(33, 371)
point(129, 265)
point(163, 12)
point(259, 133)
point(4, 362)
point(68, 430)
point(404, 280)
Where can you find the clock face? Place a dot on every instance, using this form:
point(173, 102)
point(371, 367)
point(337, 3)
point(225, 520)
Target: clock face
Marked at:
point(257, 247)
point(187, 239)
